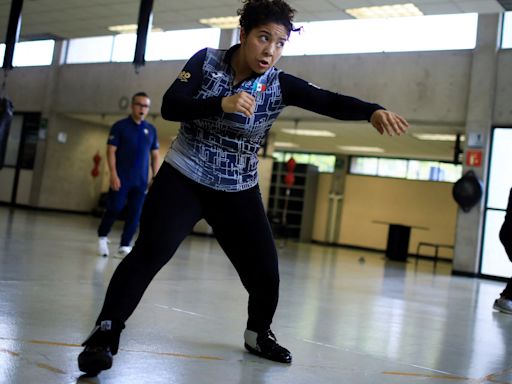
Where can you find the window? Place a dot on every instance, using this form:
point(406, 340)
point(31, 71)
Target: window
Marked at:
point(124, 47)
point(405, 169)
point(170, 45)
point(424, 33)
point(392, 168)
point(31, 53)
point(90, 50)
point(506, 41)
point(181, 45)
point(364, 166)
point(325, 163)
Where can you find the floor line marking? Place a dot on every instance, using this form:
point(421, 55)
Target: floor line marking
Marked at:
point(58, 344)
point(444, 377)
point(488, 378)
point(173, 354)
point(50, 368)
point(180, 310)
point(492, 378)
point(440, 375)
point(39, 365)
point(12, 353)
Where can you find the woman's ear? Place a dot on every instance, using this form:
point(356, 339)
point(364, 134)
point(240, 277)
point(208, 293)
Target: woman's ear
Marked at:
point(243, 36)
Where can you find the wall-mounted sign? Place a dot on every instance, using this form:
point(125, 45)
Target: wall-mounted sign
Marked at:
point(62, 137)
point(474, 158)
point(475, 140)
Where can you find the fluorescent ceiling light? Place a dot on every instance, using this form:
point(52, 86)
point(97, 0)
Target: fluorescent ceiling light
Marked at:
point(437, 136)
point(285, 144)
point(228, 22)
point(126, 28)
point(385, 11)
point(353, 148)
point(308, 132)
point(129, 28)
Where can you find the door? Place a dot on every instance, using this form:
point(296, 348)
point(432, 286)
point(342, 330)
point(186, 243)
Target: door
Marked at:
point(16, 175)
point(494, 261)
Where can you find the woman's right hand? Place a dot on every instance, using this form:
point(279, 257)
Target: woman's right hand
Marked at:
point(241, 102)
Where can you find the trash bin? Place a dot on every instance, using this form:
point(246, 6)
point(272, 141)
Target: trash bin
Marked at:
point(398, 242)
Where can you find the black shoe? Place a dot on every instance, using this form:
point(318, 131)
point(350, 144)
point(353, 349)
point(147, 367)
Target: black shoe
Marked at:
point(100, 346)
point(93, 360)
point(265, 345)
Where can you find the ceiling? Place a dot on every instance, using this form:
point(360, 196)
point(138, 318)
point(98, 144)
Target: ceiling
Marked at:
point(79, 18)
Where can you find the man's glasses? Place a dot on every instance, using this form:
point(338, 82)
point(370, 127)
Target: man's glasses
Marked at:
point(141, 105)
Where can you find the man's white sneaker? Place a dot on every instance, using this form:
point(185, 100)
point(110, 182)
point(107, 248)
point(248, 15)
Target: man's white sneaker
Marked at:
point(124, 250)
point(103, 246)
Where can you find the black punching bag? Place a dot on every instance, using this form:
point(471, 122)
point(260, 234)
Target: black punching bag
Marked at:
point(6, 112)
point(467, 191)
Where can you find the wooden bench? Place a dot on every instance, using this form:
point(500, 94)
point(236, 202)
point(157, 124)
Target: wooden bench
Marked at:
point(436, 247)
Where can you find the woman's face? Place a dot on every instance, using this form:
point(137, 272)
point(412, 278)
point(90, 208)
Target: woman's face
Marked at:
point(263, 46)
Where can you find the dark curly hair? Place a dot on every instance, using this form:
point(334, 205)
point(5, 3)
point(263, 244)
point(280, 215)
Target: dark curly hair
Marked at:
point(257, 12)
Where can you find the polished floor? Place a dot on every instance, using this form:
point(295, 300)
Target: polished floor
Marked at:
point(348, 316)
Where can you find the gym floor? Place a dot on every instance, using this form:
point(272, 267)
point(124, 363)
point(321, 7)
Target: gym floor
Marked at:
point(347, 316)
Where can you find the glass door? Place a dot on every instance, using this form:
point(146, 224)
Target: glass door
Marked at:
point(494, 261)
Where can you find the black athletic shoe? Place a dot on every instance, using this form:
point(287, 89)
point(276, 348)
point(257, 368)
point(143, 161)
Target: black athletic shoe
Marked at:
point(93, 360)
point(265, 345)
point(100, 346)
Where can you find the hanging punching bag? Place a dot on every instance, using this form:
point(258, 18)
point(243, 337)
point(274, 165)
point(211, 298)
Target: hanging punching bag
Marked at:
point(6, 113)
point(467, 191)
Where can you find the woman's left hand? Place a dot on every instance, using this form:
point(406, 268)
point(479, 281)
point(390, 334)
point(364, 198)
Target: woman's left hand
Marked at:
point(389, 122)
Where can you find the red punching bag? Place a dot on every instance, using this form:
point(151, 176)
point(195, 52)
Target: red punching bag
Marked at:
point(289, 178)
point(96, 159)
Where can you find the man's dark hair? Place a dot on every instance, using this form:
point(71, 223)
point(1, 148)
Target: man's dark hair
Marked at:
point(258, 12)
point(139, 94)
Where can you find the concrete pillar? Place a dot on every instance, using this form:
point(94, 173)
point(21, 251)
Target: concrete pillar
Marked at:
point(228, 37)
point(478, 121)
point(47, 116)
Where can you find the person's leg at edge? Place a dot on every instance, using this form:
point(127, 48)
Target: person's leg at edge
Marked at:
point(135, 201)
point(242, 229)
point(506, 240)
point(171, 209)
point(504, 302)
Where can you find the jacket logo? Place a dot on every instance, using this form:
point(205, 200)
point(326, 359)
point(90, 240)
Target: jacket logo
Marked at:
point(184, 76)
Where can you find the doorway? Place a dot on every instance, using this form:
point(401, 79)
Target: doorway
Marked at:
point(16, 175)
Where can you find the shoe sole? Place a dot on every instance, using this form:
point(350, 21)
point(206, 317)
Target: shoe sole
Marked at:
point(502, 310)
point(261, 354)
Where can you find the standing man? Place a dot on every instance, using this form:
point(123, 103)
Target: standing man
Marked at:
point(131, 143)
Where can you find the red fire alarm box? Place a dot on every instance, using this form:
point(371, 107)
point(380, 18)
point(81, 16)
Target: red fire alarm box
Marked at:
point(474, 158)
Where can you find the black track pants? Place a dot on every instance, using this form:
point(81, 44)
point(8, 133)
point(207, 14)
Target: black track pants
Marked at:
point(173, 206)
